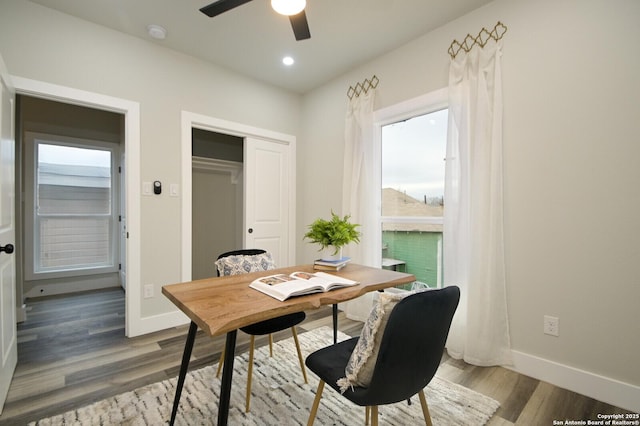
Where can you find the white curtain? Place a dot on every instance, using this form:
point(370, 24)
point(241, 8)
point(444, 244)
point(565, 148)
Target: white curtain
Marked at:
point(359, 189)
point(473, 218)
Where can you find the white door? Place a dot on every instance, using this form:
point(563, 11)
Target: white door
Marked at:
point(8, 331)
point(267, 186)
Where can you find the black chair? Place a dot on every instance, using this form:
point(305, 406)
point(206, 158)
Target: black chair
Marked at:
point(265, 327)
point(409, 354)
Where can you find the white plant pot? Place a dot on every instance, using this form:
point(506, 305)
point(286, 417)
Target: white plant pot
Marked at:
point(328, 253)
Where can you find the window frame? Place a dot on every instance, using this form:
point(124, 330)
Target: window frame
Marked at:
point(425, 104)
point(32, 230)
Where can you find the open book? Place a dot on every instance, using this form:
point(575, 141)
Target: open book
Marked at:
point(284, 286)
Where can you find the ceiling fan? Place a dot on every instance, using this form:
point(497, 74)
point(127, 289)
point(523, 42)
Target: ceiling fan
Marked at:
point(292, 8)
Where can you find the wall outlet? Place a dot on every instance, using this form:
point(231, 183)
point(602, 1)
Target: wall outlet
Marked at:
point(551, 325)
point(148, 291)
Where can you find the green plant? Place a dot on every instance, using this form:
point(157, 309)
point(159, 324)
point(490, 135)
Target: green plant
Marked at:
point(337, 232)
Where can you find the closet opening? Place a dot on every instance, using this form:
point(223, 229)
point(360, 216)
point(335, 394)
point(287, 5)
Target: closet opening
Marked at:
point(217, 198)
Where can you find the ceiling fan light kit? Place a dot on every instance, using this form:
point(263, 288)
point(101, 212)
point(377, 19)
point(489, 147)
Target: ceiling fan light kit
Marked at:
point(288, 7)
point(294, 9)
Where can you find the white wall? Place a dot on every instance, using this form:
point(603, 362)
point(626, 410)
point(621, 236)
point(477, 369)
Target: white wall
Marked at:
point(40, 44)
point(571, 150)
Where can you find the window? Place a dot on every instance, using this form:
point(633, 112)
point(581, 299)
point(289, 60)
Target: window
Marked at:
point(412, 156)
point(72, 207)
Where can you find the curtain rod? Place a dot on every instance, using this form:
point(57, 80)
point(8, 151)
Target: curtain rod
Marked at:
point(481, 39)
point(365, 86)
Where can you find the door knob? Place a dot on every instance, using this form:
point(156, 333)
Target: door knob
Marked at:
point(7, 249)
point(250, 230)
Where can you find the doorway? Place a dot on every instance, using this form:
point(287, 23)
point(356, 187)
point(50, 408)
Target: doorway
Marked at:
point(268, 185)
point(69, 178)
point(135, 324)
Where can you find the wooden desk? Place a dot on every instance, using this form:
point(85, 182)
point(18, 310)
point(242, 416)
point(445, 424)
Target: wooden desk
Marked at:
point(224, 304)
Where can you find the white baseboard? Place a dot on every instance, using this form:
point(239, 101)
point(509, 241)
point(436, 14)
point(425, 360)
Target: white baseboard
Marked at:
point(155, 323)
point(56, 286)
point(21, 313)
point(611, 391)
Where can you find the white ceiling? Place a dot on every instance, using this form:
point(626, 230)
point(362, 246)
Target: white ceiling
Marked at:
point(252, 39)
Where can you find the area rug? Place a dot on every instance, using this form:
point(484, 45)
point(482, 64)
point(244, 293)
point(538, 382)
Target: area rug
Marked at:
point(279, 397)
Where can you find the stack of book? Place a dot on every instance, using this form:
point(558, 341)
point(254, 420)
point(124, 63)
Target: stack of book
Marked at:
point(330, 265)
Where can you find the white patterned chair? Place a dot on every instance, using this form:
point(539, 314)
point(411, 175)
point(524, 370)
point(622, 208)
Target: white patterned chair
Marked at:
point(253, 260)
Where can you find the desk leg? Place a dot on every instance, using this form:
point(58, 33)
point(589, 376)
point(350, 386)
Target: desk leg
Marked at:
point(227, 373)
point(186, 356)
point(335, 323)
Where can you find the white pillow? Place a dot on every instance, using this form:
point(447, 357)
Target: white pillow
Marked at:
point(359, 369)
point(243, 264)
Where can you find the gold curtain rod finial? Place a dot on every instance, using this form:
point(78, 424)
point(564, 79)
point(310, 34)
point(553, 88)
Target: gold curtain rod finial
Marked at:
point(481, 39)
point(365, 86)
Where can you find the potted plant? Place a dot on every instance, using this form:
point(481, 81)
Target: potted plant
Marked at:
point(332, 235)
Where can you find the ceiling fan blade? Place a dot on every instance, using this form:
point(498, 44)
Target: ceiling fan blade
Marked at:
point(221, 6)
point(300, 26)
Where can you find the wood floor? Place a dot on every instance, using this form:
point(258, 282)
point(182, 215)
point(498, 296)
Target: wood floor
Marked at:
point(72, 351)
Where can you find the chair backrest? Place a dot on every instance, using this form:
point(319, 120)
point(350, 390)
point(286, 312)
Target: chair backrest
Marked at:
point(242, 252)
point(412, 345)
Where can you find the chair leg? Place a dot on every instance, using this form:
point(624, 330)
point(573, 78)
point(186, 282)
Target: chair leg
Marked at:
point(425, 408)
point(374, 415)
point(221, 361)
point(250, 373)
point(295, 339)
point(367, 409)
point(270, 345)
point(316, 403)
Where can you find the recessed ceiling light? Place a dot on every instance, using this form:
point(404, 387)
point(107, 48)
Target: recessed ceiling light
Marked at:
point(288, 61)
point(157, 32)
